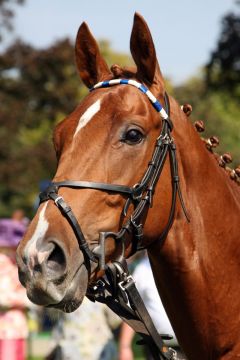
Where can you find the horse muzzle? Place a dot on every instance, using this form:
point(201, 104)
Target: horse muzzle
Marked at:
point(48, 277)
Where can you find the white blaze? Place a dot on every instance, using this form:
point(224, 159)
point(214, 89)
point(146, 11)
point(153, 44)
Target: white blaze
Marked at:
point(39, 233)
point(87, 116)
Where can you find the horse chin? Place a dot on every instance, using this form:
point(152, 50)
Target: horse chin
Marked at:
point(74, 294)
point(66, 296)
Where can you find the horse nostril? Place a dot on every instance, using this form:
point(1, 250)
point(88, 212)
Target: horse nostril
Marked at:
point(22, 277)
point(56, 260)
point(37, 268)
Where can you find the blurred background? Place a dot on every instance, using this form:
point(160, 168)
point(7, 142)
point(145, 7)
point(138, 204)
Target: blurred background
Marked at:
point(198, 47)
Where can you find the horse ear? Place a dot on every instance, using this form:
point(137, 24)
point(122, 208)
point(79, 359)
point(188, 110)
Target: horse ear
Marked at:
point(144, 55)
point(91, 65)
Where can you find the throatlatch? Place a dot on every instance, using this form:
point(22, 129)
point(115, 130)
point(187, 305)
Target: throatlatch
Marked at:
point(117, 289)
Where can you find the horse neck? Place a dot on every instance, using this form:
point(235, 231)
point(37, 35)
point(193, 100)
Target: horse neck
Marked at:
point(190, 268)
point(212, 198)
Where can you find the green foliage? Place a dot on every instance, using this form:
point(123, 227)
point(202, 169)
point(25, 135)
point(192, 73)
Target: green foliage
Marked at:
point(223, 69)
point(38, 88)
point(219, 111)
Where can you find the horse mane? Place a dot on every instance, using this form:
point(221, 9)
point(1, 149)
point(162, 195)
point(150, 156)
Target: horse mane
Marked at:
point(211, 143)
point(125, 72)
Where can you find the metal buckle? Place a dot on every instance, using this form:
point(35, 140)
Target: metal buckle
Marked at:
point(126, 281)
point(165, 140)
point(138, 228)
point(173, 353)
point(58, 199)
point(99, 289)
point(136, 197)
point(99, 284)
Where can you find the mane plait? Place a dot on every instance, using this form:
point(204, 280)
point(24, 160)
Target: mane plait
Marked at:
point(211, 143)
point(123, 72)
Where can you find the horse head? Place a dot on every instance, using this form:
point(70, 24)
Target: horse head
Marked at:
point(103, 149)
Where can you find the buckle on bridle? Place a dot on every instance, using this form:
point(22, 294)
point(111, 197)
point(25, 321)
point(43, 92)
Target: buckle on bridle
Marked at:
point(173, 353)
point(57, 200)
point(138, 229)
point(164, 140)
point(135, 195)
point(99, 288)
point(125, 282)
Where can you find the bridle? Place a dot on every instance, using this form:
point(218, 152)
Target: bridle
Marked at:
point(141, 196)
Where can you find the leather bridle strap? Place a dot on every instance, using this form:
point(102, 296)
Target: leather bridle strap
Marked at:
point(120, 189)
point(51, 193)
point(146, 187)
point(118, 291)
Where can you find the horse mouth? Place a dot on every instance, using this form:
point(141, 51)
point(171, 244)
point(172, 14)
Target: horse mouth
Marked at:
point(66, 296)
point(66, 306)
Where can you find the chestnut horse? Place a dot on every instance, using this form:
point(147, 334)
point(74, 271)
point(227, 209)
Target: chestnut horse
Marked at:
point(109, 139)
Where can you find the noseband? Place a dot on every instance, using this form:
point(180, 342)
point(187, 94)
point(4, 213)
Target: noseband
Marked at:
point(118, 290)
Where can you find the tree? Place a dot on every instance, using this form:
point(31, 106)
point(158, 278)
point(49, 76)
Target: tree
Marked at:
point(223, 69)
point(38, 88)
point(7, 14)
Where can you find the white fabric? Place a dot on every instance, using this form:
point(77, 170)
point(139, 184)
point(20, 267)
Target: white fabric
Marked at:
point(146, 286)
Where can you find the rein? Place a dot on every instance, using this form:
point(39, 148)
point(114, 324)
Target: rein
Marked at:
point(118, 290)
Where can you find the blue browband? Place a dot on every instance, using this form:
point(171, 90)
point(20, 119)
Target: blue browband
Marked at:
point(156, 104)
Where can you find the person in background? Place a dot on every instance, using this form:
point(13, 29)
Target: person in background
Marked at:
point(147, 289)
point(86, 334)
point(13, 299)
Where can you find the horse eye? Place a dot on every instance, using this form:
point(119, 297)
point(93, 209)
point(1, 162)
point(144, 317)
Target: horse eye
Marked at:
point(133, 136)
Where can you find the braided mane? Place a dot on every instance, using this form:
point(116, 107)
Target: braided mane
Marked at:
point(211, 143)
